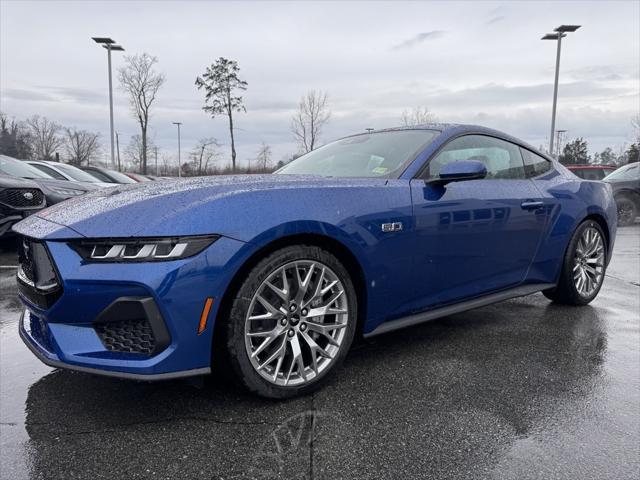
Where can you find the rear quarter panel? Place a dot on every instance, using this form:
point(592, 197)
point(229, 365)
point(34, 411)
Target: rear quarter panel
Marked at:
point(568, 201)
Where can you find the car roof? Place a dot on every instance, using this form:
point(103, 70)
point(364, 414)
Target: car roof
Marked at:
point(454, 129)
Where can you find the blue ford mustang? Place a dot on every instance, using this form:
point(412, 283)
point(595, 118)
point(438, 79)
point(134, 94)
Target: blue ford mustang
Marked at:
point(271, 277)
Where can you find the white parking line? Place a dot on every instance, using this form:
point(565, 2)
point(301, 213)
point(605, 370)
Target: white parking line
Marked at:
point(8, 267)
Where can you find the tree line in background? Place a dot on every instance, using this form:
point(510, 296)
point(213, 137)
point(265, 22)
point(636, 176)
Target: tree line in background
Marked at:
point(576, 152)
point(42, 139)
point(38, 138)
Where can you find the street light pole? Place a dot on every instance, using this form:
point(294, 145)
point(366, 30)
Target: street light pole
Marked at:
point(179, 161)
point(110, 103)
point(109, 44)
point(118, 150)
point(555, 96)
point(561, 31)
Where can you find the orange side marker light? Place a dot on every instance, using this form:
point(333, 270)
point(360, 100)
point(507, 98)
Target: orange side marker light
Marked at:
point(205, 314)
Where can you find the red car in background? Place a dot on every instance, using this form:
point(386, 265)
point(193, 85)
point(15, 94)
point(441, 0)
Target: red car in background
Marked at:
point(591, 172)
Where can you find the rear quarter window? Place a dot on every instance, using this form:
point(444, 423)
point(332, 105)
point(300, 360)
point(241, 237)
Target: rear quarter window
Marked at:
point(534, 164)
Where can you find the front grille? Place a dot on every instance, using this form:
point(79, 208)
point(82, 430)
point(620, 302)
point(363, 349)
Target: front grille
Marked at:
point(129, 336)
point(37, 278)
point(22, 197)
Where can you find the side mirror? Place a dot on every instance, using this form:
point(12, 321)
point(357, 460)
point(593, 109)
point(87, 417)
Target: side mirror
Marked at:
point(460, 171)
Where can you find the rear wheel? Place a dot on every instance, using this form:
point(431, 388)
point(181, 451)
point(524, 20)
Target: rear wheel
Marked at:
point(627, 211)
point(583, 267)
point(292, 322)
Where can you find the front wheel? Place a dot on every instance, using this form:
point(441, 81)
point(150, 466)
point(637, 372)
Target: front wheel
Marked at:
point(583, 267)
point(292, 322)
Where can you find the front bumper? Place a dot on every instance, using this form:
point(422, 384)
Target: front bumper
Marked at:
point(66, 334)
point(7, 222)
point(51, 359)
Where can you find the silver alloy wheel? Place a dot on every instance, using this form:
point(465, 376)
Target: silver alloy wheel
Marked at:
point(588, 263)
point(296, 323)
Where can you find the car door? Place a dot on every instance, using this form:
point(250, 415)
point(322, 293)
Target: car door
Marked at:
point(476, 236)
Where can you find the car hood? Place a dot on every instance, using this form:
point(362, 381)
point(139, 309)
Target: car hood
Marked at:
point(7, 181)
point(194, 206)
point(53, 183)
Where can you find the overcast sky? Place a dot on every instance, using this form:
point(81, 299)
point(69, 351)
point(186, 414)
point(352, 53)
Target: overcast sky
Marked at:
point(472, 62)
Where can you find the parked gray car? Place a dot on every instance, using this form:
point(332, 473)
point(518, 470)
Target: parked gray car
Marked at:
point(64, 171)
point(54, 190)
point(625, 183)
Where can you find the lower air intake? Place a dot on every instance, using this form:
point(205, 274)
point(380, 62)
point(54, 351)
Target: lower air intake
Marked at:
point(128, 336)
point(132, 325)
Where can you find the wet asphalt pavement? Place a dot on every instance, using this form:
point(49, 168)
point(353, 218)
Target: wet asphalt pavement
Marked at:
point(519, 390)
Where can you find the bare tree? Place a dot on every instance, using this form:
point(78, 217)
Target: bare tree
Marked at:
point(81, 146)
point(263, 158)
point(45, 137)
point(204, 153)
point(15, 139)
point(220, 81)
point(137, 150)
point(417, 116)
point(141, 82)
point(312, 115)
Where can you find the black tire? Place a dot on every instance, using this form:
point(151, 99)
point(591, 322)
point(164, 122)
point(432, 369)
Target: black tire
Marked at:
point(627, 211)
point(566, 292)
point(236, 352)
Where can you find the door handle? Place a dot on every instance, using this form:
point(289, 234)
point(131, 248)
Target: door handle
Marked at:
point(531, 205)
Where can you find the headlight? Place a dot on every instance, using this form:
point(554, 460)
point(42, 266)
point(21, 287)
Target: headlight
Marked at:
point(142, 249)
point(69, 192)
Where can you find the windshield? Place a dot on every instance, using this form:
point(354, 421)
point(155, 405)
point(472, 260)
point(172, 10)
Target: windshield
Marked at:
point(76, 173)
point(380, 154)
point(628, 172)
point(16, 168)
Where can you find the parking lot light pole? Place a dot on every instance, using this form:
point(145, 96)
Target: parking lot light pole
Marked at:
point(179, 162)
point(118, 150)
point(110, 45)
point(560, 32)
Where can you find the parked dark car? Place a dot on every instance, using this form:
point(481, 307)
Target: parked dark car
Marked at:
point(625, 182)
point(54, 190)
point(18, 199)
point(591, 172)
point(108, 176)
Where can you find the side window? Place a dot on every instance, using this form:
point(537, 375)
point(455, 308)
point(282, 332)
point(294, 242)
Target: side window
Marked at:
point(534, 164)
point(50, 171)
point(502, 159)
point(99, 175)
